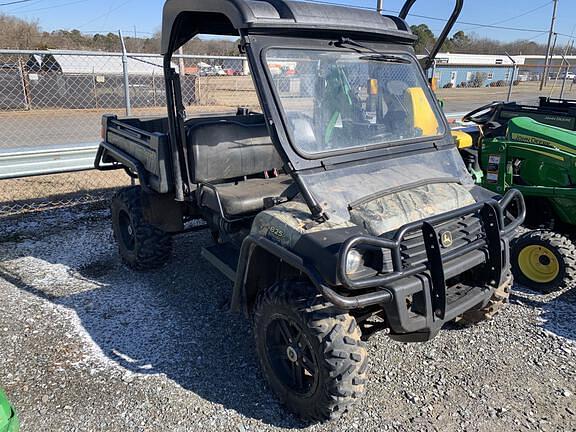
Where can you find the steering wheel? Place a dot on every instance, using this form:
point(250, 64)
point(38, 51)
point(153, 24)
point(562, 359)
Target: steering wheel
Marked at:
point(483, 114)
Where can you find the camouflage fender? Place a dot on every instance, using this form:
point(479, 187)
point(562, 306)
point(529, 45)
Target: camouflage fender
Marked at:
point(286, 223)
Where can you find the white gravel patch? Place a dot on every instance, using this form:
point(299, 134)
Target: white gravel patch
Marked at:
point(90, 345)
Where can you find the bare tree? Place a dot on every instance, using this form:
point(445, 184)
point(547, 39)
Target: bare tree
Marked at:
point(17, 33)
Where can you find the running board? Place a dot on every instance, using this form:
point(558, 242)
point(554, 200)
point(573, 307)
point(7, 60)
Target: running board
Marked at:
point(224, 257)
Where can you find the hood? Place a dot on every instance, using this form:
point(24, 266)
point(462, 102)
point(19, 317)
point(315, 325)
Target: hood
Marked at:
point(394, 210)
point(342, 187)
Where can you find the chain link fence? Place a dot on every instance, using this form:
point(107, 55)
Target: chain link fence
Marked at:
point(54, 100)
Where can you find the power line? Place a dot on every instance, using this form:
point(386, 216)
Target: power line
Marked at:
point(537, 36)
point(433, 18)
point(16, 8)
point(105, 14)
point(519, 29)
point(514, 17)
point(553, 22)
point(14, 2)
point(53, 6)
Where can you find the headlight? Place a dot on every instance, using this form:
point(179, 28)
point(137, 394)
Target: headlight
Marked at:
point(354, 262)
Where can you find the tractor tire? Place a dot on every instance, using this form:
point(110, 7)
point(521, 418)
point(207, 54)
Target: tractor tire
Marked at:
point(311, 352)
point(141, 246)
point(497, 302)
point(544, 261)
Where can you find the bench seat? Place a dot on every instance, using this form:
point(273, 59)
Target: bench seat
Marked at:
point(245, 197)
point(229, 158)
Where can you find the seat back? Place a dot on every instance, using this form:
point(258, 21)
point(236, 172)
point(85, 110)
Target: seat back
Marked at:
point(229, 148)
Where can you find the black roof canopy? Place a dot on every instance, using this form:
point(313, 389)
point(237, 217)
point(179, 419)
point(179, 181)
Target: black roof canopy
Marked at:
point(183, 19)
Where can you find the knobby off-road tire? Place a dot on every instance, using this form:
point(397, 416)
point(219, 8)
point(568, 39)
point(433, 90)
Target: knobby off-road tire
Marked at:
point(141, 245)
point(544, 261)
point(497, 302)
point(295, 329)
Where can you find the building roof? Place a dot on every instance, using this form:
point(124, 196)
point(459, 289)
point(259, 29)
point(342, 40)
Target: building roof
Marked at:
point(492, 59)
point(101, 64)
point(477, 59)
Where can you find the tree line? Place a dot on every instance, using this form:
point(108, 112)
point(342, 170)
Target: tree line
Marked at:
point(463, 43)
point(17, 33)
point(21, 34)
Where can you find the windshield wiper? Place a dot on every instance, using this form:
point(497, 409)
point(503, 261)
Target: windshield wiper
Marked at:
point(385, 58)
point(378, 56)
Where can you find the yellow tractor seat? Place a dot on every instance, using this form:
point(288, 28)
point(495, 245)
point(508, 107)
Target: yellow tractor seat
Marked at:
point(463, 140)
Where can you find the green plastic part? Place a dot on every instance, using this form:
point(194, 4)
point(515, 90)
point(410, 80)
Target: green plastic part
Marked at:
point(538, 160)
point(527, 130)
point(8, 419)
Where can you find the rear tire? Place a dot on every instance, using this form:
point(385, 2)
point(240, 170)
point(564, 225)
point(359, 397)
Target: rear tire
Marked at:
point(311, 353)
point(141, 246)
point(544, 261)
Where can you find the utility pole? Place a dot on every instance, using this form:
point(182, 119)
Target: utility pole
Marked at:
point(552, 24)
point(568, 65)
point(569, 46)
point(513, 77)
point(551, 61)
point(380, 6)
point(181, 66)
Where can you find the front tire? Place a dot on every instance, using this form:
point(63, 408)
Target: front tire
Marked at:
point(141, 246)
point(311, 353)
point(544, 261)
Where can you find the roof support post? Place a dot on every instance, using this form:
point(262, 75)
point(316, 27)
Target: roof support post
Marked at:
point(126, 78)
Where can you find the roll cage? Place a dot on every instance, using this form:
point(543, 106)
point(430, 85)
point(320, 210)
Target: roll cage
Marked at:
point(262, 24)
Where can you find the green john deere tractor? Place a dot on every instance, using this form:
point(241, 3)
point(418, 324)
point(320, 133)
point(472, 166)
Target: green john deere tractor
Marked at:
point(538, 158)
point(8, 418)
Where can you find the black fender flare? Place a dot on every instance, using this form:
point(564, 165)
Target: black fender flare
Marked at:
point(240, 296)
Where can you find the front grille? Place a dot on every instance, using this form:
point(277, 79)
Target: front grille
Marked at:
point(464, 231)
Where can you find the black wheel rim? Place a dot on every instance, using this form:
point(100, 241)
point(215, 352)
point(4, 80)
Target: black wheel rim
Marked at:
point(126, 231)
point(291, 356)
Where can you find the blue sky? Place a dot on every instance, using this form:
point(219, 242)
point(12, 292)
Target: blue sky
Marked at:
point(144, 16)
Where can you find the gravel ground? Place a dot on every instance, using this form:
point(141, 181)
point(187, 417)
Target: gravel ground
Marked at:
point(88, 345)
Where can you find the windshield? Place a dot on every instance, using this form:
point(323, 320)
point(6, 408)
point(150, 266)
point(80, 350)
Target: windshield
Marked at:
point(349, 100)
point(340, 190)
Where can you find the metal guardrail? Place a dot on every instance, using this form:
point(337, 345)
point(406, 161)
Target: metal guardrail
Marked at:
point(28, 162)
point(114, 54)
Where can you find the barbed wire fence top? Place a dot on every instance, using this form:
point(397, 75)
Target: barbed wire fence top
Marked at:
point(52, 102)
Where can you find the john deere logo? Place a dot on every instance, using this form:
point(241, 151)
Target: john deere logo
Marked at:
point(446, 239)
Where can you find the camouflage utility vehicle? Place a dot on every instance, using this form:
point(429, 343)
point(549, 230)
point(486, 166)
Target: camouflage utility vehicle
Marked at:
point(341, 209)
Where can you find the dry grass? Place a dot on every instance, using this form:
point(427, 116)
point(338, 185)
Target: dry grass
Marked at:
point(52, 191)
